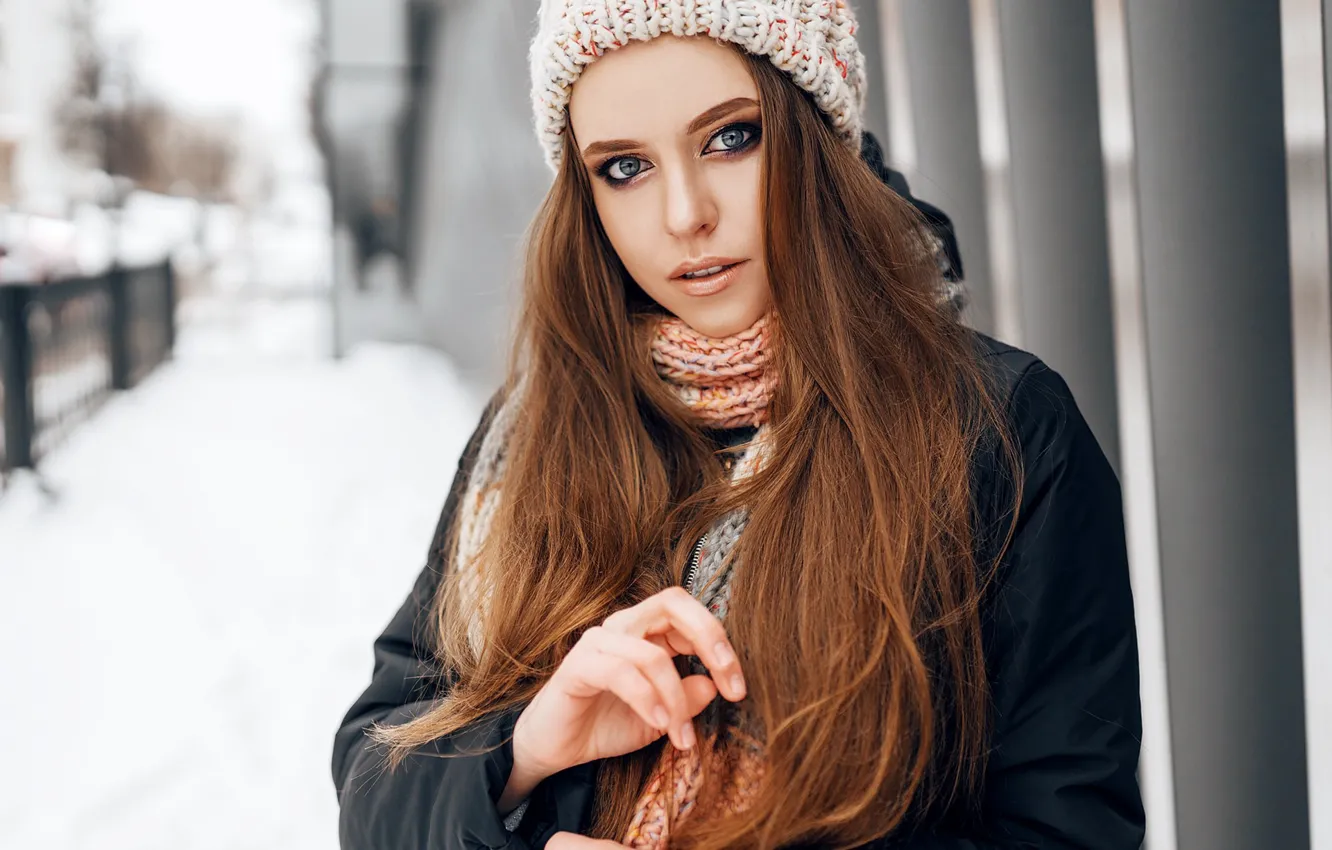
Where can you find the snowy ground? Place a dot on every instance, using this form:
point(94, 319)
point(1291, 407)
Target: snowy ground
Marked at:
point(184, 619)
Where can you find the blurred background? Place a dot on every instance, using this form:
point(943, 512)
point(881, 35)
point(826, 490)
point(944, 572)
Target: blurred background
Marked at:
point(257, 264)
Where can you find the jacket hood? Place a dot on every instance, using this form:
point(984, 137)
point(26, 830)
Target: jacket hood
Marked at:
point(940, 226)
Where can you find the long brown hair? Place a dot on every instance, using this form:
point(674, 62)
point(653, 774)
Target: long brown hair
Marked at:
point(855, 612)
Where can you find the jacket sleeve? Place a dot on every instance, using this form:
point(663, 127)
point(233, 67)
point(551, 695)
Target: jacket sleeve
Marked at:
point(1061, 649)
point(443, 796)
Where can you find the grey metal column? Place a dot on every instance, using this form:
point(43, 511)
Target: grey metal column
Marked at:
point(1059, 202)
point(1327, 93)
point(941, 72)
point(1211, 160)
point(482, 182)
point(869, 35)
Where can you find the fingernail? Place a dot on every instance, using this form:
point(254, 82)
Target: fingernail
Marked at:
point(724, 653)
point(738, 684)
point(687, 735)
point(660, 718)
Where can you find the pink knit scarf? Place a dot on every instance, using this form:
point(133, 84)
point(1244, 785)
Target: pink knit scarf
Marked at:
point(723, 381)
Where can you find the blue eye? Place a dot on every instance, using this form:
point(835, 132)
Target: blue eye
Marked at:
point(732, 139)
point(622, 168)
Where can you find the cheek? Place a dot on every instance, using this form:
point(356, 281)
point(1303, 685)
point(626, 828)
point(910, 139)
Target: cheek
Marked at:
point(741, 188)
point(630, 224)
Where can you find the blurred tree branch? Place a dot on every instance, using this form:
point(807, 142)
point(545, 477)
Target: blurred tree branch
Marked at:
point(107, 124)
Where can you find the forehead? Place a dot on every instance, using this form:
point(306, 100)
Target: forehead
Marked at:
point(655, 88)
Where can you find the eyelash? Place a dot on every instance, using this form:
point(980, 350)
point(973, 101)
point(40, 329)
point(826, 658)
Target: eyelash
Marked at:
point(755, 133)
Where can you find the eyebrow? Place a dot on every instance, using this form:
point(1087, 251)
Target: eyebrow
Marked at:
point(708, 116)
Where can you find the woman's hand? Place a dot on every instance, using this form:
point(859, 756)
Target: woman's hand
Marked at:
point(618, 690)
point(574, 841)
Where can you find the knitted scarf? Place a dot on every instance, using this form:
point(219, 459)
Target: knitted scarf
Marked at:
point(723, 383)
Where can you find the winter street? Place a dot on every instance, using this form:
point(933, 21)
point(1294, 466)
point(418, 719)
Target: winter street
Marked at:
point(263, 262)
point(185, 619)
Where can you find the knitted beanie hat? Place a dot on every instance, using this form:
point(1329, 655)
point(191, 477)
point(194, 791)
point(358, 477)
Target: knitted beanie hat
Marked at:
point(814, 41)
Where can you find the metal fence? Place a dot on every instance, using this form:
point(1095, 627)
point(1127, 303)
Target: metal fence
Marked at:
point(65, 346)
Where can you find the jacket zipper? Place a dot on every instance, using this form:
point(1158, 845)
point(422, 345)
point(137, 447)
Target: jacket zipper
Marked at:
point(692, 569)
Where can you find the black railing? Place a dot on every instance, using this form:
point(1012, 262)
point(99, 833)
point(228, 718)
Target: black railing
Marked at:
point(65, 346)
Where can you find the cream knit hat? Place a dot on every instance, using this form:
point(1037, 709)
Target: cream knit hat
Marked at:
point(814, 41)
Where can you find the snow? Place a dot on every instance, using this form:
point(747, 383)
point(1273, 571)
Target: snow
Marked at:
point(189, 610)
point(285, 247)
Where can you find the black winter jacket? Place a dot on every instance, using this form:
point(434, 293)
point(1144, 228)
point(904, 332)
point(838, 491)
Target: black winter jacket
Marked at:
point(1060, 651)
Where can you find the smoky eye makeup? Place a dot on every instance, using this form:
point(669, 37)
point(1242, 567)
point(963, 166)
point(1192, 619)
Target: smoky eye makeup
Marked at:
point(734, 139)
point(619, 170)
point(731, 140)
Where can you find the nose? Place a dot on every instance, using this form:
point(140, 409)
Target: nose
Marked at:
point(691, 209)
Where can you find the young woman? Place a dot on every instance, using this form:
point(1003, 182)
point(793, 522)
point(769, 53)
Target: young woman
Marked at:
point(758, 546)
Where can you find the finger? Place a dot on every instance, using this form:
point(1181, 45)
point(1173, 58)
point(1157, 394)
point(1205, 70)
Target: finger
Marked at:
point(673, 616)
point(573, 841)
point(595, 672)
point(699, 692)
point(673, 613)
point(656, 664)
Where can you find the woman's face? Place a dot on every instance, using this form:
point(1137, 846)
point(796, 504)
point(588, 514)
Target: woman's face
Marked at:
point(669, 131)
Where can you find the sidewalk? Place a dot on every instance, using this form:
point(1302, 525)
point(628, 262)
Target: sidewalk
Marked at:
point(183, 623)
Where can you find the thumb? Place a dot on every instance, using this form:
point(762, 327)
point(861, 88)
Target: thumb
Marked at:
point(699, 691)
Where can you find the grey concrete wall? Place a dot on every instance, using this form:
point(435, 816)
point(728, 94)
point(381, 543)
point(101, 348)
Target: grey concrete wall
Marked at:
point(483, 180)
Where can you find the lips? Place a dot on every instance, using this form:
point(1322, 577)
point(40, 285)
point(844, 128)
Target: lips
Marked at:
point(703, 267)
point(708, 277)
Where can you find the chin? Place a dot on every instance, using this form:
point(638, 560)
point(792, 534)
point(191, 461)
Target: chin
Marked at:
point(717, 326)
point(723, 320)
